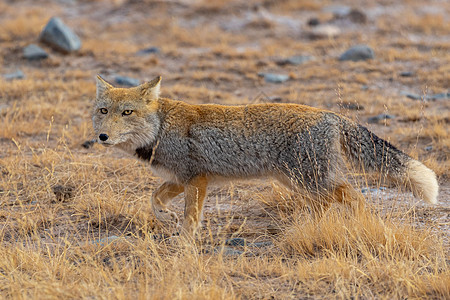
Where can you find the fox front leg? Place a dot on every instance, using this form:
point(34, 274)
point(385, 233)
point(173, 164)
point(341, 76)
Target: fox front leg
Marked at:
point(161, 197)
point(194, 192)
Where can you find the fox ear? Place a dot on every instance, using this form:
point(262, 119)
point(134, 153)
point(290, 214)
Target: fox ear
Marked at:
point(102, 86)
point(150, 90)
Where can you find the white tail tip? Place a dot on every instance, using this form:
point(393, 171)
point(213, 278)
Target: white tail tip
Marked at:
point(423, 181)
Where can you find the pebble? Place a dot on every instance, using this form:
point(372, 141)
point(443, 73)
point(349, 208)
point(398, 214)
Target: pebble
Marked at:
point(380, 117)
point(127, 81)
point(372, 190)
point(356, 53)
point(294, 60)
point(432, 97)
point(428, 148)
point(34, 52)
point(313, 22)
point(149, 50)
point(228, 251)
point(18, 74)
point(357, 16)
point(106, 240)
point(236, 242)
point(59, 36)
point(406, 74)
point(274, 78)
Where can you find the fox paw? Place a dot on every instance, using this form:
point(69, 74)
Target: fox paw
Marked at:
point(166, 216)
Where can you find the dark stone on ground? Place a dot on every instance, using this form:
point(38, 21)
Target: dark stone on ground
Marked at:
point(126, 81)
point(274, 78)
point(433, 97)
point(236, 242)
point(356, 53)
point(149, 50)
point(18, 74)
point(428, 148)
point(357, 16)
point(34, 52)
point(313, 22)
point(380, 117)
point(406, 74)
point(59, 36)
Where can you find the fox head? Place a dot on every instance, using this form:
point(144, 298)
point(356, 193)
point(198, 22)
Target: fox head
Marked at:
point(126, 117)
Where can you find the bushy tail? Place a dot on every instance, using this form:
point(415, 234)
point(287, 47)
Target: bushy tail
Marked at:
point(375, 154)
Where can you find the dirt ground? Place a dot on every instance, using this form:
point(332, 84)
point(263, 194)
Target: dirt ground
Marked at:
point(62, 204)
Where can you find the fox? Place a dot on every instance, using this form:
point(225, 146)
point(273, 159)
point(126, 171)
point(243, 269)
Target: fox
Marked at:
point(191, 146)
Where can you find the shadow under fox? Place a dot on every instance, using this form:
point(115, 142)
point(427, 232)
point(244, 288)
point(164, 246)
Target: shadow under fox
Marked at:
point(190, 146)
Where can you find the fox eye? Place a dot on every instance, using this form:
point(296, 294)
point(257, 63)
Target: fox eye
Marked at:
point(127, 112)
point(103, 111)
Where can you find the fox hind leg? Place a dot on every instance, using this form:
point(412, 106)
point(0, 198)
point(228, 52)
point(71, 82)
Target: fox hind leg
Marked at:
point(161, 197)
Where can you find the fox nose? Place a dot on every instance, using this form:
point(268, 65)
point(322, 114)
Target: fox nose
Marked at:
point(103, 137)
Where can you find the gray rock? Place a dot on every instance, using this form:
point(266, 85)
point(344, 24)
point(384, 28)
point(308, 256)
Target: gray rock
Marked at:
point(380, 117)
point(106, 240)
point(18, 74)
point(356, 53)
point(127, 81)
point(406, 74)
point(357, 16)
point(261, 244)
point(228, 251)
point(149, 50)
point(313, 21)
point(428, 148)
point(274, 78)
point(433, 97)
point(60, 37)
point(34, 52)
point(295, 60)
point(236, 242)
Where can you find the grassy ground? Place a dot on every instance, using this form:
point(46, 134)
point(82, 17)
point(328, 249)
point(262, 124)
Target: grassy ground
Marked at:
point(76, 222)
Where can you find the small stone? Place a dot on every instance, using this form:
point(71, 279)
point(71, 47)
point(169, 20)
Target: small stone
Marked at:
point(438, 96)
point(428, 148)
point(313, 22)
point(34, 52)
point(106, 240)
point(324, 31)
point(88, 144)
point(149, 50)
point(228, 251)
point(406, 74)
point(274, 78)
point(294, 60)
point(357, 16)
point(59, 36)
point(411, 96)
point(380, 117)
point(261, 244)
point(356, 53)
point(127, 81)
point(18, 74)
point(236, 242)
point(63, 193)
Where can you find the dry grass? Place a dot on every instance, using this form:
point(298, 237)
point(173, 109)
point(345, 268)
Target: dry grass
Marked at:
point(77, 223)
